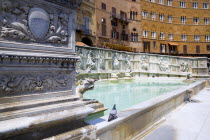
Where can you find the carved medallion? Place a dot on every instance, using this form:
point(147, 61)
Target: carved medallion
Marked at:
point(39, 22)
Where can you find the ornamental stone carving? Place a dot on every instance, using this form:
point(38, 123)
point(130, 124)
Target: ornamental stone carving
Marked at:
point(32, 83)
point(128, 63)
point(101, 59)
point(91, 61)
point(25, 22)
point(185, 66)
point(80, 54)
point(116, 63)
point(163, 64)
point(144, 62)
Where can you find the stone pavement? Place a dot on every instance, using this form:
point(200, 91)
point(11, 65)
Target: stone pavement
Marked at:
point(189, 122)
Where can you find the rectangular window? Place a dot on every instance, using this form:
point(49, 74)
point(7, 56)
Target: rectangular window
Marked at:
point(206, 20)
point(183, 19)
point(152, 1)
point(153, 35)
point(208, 47)
point(87, 25)
point(114, 33)
point(103, 6)
point(154, 44)
point(145, 34)
point(114, 11)
point(160, 2)
point(195, 4)
point(205, 6)
point(184, 37)
point(196, 37)
point(162, 48)
point(169, 18)
point(182, 4)
point(161, 17)
point(169, 2)
point(196, 20)
point(207, 38)
point(162, 36)
point(103, 29)
point(144, 14)
point(197, 49)
point(185, 49)
point(153, 15)
point(170, 36)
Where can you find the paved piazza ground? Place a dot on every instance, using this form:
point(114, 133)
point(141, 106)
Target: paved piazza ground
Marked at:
point(189, 122)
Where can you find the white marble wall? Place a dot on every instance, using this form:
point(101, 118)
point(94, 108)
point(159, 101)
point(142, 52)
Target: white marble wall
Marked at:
point(98, 60)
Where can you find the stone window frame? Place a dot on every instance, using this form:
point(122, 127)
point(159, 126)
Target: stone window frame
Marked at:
point(196, 38)
point(153, 15)
point(170, 18)
point(196, 20)
point(206, 20)
point(169, 2)
point(184, 37)
point(183, 19)
point(182, 4)
point(195, 5)
point(205, 6)
point(145, 33)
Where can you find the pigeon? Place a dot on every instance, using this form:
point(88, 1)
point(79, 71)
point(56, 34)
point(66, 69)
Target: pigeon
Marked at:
point(112, 114)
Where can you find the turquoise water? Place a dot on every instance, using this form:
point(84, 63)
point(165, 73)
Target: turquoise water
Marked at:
point(125, 93)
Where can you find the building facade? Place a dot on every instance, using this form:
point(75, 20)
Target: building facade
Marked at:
point(85, 28)
point(176, 27)
point(153, 26)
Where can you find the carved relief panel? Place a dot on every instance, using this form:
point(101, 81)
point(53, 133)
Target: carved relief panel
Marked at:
point(27, 21)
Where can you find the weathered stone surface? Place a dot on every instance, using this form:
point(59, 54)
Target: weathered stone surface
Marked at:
point(39, 22)
point(99, 60)
point(37, 70)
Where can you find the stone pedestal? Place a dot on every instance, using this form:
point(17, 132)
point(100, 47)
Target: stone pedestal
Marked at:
point(37, 71)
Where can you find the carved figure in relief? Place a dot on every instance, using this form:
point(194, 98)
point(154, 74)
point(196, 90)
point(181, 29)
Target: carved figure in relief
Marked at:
point(128, 63)
point(144, 63)
point(90, 64)
point(101, 59)
point(164, 64)
point(185, 66)
point(80, 54)
point(84, 85)
point(116, 63)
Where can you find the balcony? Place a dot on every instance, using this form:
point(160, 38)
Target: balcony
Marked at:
point(120, 18)
point(87, 31)
point(82, 28)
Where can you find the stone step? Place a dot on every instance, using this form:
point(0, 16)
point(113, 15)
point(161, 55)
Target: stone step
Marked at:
point(21, 98)
point(83, 133)
point(39, 110)
point(43, 125)
point(96, 105)
point(35, 103)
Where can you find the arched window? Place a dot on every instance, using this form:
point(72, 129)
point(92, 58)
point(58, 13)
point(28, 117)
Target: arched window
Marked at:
point(134, 35)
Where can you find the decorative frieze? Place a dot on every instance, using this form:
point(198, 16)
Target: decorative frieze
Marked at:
point(121, 62)
point(30, 83)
